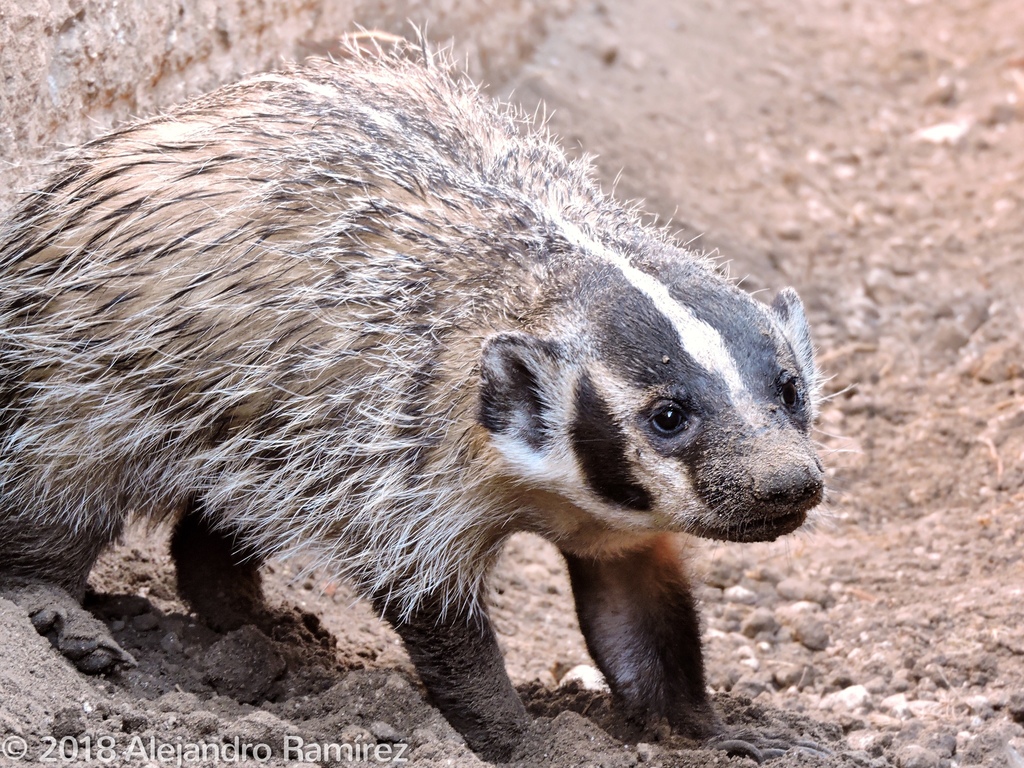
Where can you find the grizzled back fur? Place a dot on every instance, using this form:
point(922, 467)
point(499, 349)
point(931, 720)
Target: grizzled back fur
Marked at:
point(359, 311)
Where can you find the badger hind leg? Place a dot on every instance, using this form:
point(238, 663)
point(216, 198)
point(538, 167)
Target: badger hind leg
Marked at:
point(457, 657)
point(217, 575)
point(44, 569)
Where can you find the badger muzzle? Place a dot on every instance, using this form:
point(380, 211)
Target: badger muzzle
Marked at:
point(759, 485)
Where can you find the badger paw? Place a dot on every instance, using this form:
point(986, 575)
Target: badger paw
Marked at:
point(762, 748)
point(82, 638)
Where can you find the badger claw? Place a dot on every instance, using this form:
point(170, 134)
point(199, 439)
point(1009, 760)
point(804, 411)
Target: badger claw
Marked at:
point(738, 748)
point(760, 749)
point(79, 636)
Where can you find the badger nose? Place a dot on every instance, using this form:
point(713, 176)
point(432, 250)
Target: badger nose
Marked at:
point(796, 485)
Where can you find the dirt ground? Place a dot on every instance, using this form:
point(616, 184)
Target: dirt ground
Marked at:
point(871, 155)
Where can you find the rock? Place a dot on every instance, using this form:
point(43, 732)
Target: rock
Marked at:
point(789, 230)
point(177, 701)
point(1000, 361)
point(386, 733)
point(397, 683)
point(134, 722)
point(788, 675)
point(853, 699)
point(766, 573)
point(170, 643)
point(1015, 706)
point(900, 680)
point(259, 728)
point(913, 756)
point(943, 133)
point(897, 705)
point(810, 633)
point(740, 594)
point(760, 620)
point(876, 685)
point(1001, 113)
point(724, 572)
point(202, 722)
point(145, 622)
point(806, 591)
point(801, 624)
point(749, 686)
point(355, 734)
point(980, 706)
point(870, 741)
point(645, 752)
point(945, 92)
point(67, 723)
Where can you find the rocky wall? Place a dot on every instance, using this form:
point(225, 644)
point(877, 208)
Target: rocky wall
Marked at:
point(70, 69)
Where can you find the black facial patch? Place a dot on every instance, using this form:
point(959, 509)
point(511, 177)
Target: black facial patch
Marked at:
point(600, 444)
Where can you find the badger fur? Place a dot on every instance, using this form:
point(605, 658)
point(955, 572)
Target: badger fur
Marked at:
point(356, 311)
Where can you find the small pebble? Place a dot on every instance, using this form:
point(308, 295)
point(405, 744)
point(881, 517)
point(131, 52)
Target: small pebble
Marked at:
point(789, 675)
point(740, 594)
point(67, 723)
point(810, 633)
point(913, 756)
point(259, 727)
point(870, 741)
point(133, 722)
point(876, 685)
point(203, 722)
point(145, 622)
point(355, 734)
point(789, 230)
point(760, 620)
point(980, 706)
point(800, 590)
point(385, 732)
point(749, 686)
point(897, 705)
point(170, 643)
point(853, 699)
point(645, 752)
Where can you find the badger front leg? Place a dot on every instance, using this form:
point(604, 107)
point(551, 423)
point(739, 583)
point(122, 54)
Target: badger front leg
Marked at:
point(640, 623)
point(457, 657)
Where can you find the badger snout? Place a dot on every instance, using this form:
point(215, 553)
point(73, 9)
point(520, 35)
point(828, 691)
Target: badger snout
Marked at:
point(798, 486)
point(762, 491)
point(779, 502)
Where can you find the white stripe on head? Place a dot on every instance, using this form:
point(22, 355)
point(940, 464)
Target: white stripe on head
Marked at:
point(701, 341)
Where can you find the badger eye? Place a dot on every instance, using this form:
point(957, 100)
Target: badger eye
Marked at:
point(789, 394)
point(669, 420)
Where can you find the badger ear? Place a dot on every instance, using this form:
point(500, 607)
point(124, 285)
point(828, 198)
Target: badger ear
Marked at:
point(517, 375)
point(788, 312)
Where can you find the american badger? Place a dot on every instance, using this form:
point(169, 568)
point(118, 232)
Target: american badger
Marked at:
point(358, 312)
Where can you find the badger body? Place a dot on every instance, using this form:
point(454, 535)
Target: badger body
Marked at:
point(356, 311)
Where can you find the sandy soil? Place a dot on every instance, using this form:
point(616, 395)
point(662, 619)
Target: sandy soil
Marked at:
point(871, 154)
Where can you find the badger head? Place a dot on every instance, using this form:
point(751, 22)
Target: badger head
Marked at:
point(668, 399)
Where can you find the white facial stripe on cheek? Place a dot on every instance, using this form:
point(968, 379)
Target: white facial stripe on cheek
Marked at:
point(701, 341)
